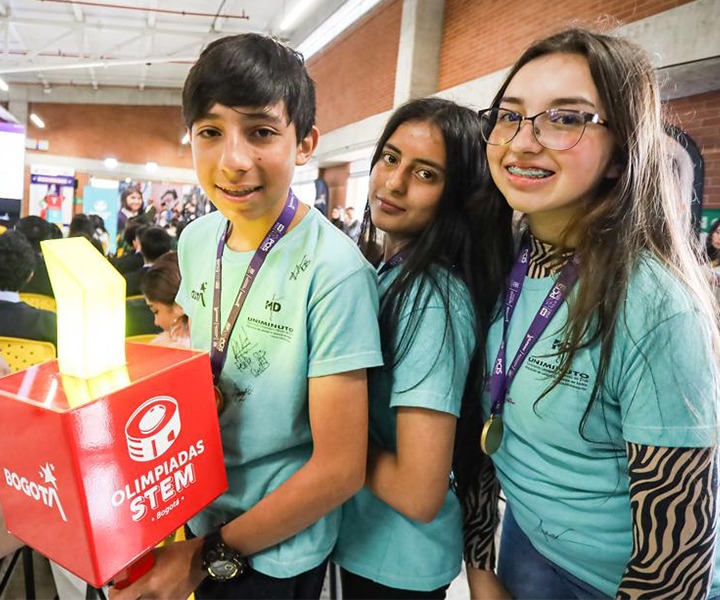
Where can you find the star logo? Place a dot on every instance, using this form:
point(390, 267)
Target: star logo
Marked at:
point(47, 474)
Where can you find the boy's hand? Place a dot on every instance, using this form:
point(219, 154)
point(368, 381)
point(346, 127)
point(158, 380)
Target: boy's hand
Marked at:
point(176, 574)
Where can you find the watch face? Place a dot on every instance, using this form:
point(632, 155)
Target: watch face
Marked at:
point(220, 561)
point(223, 569)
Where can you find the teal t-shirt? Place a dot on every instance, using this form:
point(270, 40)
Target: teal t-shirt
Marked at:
point(570, 495)
point(376, 541)
point(312, 311)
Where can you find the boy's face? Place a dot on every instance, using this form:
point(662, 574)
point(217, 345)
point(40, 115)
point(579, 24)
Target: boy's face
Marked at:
point(245, 157)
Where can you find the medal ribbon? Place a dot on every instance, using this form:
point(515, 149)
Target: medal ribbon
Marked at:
point(218, 353)
point(500, 380)
point(395, 260)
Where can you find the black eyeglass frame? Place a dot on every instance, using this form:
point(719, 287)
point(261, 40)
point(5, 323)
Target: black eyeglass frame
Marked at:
point(594, 118)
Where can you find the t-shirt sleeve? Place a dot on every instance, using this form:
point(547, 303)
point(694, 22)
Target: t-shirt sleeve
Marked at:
point(432, 371)
point(668, 389)
point(343, 332)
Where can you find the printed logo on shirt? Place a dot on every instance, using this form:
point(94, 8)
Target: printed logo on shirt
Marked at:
point(199, 295)
point(299, 268)
point(547, 365)
point(273, 305)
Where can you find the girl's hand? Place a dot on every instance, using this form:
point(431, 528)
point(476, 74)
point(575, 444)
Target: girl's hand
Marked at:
point(485, 585)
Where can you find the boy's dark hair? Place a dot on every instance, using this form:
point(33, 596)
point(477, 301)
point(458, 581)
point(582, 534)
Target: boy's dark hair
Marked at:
point(133, 228)
point(35, 229)
point(250, 70)
point(97, 222)
point(81, 225)
point(161, 282)
point(17, 261)
point(154, 242)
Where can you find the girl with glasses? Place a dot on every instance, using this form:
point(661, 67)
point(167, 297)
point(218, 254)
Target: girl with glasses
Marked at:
point(601, 409)
point(401, 535)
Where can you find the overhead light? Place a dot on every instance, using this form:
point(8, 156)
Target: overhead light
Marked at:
point(3, 86)
point(110, 163)
point(37, 121)
point(185, 139)
point(332, 27)
point(151, 167)
point(294, 15)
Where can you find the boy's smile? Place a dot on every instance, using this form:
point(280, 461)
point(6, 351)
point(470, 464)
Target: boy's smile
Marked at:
point(244, 158)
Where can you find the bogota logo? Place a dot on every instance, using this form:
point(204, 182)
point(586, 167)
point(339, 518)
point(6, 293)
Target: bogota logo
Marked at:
point(153, 428)
point(45, 492)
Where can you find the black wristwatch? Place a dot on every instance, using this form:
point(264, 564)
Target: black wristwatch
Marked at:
point(220, 560)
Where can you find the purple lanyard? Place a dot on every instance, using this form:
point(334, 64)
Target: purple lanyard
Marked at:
point(395, 260)
point(500, 380)
point(218, 353)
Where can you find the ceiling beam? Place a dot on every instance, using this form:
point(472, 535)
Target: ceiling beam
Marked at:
point(198, 31)
point(97, 63)
point(79, 17)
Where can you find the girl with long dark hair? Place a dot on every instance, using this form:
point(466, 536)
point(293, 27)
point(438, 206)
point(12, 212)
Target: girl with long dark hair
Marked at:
point(401, 535)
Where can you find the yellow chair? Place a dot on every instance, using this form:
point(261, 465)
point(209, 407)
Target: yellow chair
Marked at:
point(40, 301)
point(135, 297)
point(21, 353)
point(143, 338)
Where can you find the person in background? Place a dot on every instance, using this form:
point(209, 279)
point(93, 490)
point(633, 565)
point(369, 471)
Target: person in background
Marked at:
point(153, 243)
point(160, 286)
point(18, 319)
point(352, 225)
point(100, 233)
point(712, 246)
point(37, 230)
point(602, 409)
point(322, 192)
point(128, 257)
point(82, 225)
point(336, 217)
point(439, 278)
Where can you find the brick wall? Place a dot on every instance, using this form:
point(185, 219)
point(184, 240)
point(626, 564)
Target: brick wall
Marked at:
point(132, 134)
point(699, 116)
point(483, 36)
point(355, 75)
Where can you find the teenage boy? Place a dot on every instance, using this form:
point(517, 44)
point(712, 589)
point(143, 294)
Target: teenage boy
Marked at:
point(292, 390)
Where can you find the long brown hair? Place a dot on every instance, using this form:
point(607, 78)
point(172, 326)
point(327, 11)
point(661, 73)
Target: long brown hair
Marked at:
point(630, 216)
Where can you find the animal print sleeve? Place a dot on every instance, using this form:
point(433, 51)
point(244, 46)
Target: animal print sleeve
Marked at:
point(481, 517)
point(673, 499)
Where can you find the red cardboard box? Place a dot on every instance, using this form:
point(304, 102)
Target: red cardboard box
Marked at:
point(96, 485)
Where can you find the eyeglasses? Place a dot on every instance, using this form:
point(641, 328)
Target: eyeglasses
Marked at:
point(553, 129)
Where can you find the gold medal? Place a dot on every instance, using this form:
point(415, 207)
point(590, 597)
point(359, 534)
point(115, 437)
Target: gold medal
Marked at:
point(219, 399)
point(492, 434)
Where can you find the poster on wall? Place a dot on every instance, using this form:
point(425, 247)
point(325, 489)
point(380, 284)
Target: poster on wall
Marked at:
point(52, 190)
point(104, 202)
point(172, 205)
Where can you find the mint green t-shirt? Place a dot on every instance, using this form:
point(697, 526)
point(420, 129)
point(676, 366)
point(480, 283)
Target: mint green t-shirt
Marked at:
point(312, 311)
point(570, 495)
point(376, 541)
